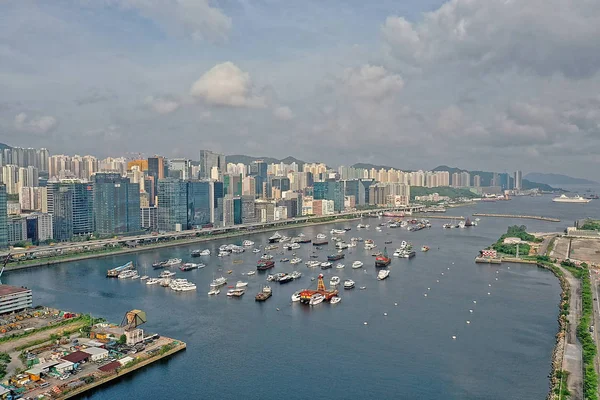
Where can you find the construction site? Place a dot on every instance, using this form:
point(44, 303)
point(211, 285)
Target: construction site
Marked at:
point(52, 354)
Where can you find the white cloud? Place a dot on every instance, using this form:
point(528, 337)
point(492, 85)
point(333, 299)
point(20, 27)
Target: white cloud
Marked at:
point(161, 105)
point(371, 82)
point(193, 18)
point(227, 85)
point(283, 113)
point(37, 125)
point(541, 36)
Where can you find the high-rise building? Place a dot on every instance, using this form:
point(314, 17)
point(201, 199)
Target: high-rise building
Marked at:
point(116, 204)
point(3, 217)
point(232, 184)
point(39, 228)
point(228, 210)
point(10, 178)
point(465, 179)
point(518, 180)
point(199, 203)
point(180, 168)
point(210, 160)
point(149, 218)
point(330, 190)
point(71, 203)
point(477, 181)
point(258, 169)
point(172, 204)
point(17, 229)
point(248, 209)
point(218, 194)
point(157, 168)
point(355, 188)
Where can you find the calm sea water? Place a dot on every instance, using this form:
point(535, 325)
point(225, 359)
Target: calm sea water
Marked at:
point(239, 348)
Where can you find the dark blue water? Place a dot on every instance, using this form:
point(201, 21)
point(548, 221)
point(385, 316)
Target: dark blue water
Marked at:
point(237, 347)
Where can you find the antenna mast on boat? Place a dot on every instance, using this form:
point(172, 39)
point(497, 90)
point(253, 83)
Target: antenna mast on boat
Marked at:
point(4, 266)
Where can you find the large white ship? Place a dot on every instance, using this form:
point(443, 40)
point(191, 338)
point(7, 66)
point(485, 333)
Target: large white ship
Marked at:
point(564, 199)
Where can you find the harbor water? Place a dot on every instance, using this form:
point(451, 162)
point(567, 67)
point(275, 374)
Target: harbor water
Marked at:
point(406, 337)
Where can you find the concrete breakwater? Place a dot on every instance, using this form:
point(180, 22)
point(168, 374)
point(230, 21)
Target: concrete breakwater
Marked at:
point(539, 218)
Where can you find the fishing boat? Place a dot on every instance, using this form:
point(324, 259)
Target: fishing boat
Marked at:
point(264, 294)
point(113, 273)
point(383, 260)
point(383, 274)
point(335, 257)
point(265, 264)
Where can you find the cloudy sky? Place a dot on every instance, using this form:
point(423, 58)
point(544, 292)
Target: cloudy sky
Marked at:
point(479, 84)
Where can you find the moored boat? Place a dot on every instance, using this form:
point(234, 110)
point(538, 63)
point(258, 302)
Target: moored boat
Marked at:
point(335, 257)
point(383, 260)
point(218, 282)
point(113, 273)
point(275, 238)
point(349, 284)
point(236, 292)
point(316, 298)
point(265, 264)
point(335, 300)
point(357, 264)
point(383, 274)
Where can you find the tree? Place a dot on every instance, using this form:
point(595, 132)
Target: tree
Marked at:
point(122, 339)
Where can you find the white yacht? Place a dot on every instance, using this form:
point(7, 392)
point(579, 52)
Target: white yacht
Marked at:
point(383, 273)
point(241, 284)
point(214, 291)
point(339, 266)
point(270, 278)
point(144, 277)
point(294, 246)
point(357, 264)
point(316, 298)
point(275, 238)
point(186, 287)
point(152, 281)
point(223, 254)
point(127, 274)
point(348, 284)
point(321, 236)
point(341, 245)
point(335, 280)
point(296, 275)
point(256, 250)
point(172, 262)
point(266, 257)
point(247, 243)
point(313, 264)
point(296, 296)
point(251, 272)
point(205, 252)
point(295, 261)
point(218, 282)
point(338, 231)
point(326, 264)
point(166, 274)
point(135, 275)
point(236, 292)
point(335, 300)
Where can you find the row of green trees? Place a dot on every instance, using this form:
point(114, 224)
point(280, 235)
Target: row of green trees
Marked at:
point(516, 231)
point(590, 378)
point(590, 225)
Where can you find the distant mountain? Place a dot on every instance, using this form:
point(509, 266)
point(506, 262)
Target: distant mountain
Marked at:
point(240, 158)
point(370, 166)
point(4, 146)
point(557, 179)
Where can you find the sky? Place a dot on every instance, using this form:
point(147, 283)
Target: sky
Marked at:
point(479, 84)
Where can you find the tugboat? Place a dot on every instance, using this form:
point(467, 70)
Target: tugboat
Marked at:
point(383, 260)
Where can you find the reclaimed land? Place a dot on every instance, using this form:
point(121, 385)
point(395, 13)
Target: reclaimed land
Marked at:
point(148, 247)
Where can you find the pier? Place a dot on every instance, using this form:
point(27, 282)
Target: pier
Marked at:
point(539, 218)
point(428, 216)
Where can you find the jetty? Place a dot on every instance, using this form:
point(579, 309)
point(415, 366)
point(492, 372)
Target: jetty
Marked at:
point(428, 216)
point(539, 218)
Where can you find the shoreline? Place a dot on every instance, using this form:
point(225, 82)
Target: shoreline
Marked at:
point(49, 262)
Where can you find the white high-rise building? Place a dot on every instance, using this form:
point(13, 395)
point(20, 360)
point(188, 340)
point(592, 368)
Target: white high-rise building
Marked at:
point(518, 180)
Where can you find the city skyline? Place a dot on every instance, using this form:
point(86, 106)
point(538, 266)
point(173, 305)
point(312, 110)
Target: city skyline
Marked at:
point(385, 84)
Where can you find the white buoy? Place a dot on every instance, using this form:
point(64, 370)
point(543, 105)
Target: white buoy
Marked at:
point(496, 278)
point(277, 309)
point(489, 284)
point(428, 288)
point(385, 314)
point(508, 267)
point(442, 273)
point(470, 311)
point(448, 268)
point(438, 281)
point(489, 293)
point(366, 323)
point(452, 262)
point(425, 294)
point(468, 322)
point(453, 337)
point(395, 304)
point(474, 301)
point(497, 272)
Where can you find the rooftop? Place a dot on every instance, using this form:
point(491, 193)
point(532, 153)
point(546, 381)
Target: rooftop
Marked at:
point(110, 366)
point(76, 356)
point(6, 290)
point(94, 351)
